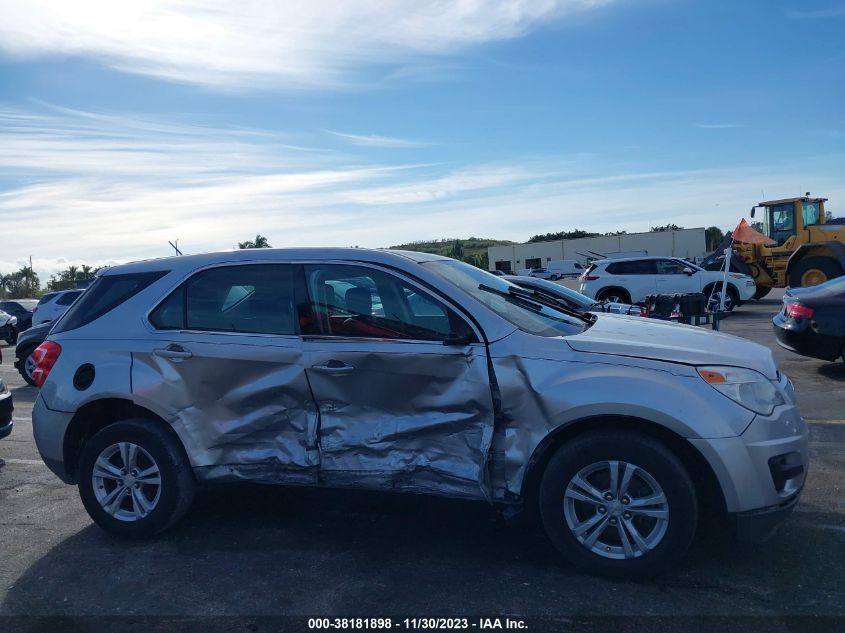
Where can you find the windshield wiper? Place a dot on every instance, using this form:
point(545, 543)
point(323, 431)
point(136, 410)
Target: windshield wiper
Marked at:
point(534, 296)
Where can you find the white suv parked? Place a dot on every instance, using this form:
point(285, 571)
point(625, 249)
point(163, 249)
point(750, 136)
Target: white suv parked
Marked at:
point(633, 279)
point(53, 305)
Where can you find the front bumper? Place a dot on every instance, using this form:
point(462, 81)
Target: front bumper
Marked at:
point(798, 336)
point(6, 408)
point(760, 525)
point(761, 472)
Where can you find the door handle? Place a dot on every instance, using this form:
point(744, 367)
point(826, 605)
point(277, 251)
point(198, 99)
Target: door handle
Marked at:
point(334, 368)
point(173, 352)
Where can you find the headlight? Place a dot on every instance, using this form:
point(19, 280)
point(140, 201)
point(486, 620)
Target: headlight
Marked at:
point(746, 387)
point(13, 321)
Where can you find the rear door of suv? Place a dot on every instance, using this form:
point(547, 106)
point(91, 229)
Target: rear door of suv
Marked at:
point(637, 276)
point(224, 365)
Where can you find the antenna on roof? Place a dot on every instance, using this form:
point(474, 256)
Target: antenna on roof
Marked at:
point(175, 246)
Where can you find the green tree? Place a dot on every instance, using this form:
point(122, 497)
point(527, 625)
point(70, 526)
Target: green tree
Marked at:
point(668, 227)
point(259, 242)
point(562, 235)
point(713, 236)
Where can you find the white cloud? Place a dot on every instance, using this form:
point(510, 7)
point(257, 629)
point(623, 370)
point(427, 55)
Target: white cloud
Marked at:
point(264, 42)
point(837, 11)
point(377, 141)
point(82, 187)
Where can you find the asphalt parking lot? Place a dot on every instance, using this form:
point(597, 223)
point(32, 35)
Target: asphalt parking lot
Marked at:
point(247, 550)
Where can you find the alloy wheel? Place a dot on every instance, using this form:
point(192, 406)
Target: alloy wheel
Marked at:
point(126, 481)
point(616, 509)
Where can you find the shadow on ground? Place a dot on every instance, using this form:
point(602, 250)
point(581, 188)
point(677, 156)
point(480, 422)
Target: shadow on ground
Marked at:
point(253, 550)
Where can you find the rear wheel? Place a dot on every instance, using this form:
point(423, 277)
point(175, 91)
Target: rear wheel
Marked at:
point(618, 503)
point(614, 295)
point(134, 478)
point(554, 278)
point(813, 271)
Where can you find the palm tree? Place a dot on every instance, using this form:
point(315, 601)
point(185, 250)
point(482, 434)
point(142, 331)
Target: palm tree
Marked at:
point(259, 242)
point(87, 271)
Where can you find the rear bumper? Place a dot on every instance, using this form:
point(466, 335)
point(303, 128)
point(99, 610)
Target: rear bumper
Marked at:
point(48, 428)
point(799, 337)
point(6, 408)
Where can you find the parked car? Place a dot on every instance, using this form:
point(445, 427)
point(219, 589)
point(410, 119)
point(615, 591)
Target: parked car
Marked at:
point(573, 299)
point(21, 309)
point(498, 273)
point(27, 343)
point(446, 380)
point(53, 305)
point(560, 268)
point(631, 280)
point(6, 408)
point(812, 322)
point(8, 327)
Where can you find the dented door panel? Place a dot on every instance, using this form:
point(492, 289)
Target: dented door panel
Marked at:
point(413, 416)
point(240, 403)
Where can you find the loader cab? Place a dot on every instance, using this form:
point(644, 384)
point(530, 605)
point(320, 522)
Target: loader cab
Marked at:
point(781, 219)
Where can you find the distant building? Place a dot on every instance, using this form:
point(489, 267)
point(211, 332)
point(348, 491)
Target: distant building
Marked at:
point(686, 243)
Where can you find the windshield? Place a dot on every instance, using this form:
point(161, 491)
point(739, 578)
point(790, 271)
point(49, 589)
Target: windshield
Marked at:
point(529, 316)
point(549, 287)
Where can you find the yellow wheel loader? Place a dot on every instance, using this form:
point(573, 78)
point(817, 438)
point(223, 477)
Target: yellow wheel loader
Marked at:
point(802, 249)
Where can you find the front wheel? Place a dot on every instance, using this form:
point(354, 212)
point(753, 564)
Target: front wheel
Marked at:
point(714, 303)
point(134, 478)
point(619, 504)
point(554, 278)
point(26, 365)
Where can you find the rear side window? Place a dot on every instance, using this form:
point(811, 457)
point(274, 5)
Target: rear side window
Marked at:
point(67, 298)
point(47, 298)
point(637, 267)
point(252, 299)
point(104, 295)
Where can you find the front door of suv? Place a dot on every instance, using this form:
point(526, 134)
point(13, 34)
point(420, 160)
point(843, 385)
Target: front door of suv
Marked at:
point(224, 366)
point(401, 383)
point(671, 278)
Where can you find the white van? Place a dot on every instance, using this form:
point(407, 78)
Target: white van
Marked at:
point(558, 269)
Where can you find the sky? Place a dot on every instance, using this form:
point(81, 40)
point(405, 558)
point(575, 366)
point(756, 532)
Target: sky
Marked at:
point(376, 122)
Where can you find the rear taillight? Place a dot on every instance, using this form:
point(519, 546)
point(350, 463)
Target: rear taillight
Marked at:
point(45, 356)
point(797, 311)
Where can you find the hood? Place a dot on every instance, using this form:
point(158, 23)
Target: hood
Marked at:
point(672, 342)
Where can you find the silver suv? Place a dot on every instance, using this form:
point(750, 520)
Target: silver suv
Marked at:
point(410, 372)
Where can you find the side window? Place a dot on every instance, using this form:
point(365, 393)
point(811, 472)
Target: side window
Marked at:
point(668, 267)
point(635, 267)
point(810, 213)
point(252, 299)
point(355, 301)
point(67, 298)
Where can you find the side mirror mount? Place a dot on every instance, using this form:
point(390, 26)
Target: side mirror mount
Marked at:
point(689, 271)
point(753, 211)
point(458, 339)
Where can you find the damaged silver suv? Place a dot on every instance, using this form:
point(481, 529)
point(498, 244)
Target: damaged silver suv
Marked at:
point(403, 371)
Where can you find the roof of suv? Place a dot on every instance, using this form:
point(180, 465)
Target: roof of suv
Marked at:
point(188, 262)
point(636, 259)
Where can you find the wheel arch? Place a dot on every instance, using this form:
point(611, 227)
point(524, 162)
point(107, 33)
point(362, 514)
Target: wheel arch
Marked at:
point(707, 487)
point(94, 416)
point(832, 250)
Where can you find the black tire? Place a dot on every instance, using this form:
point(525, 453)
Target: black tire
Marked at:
point(177, 480)
point(649, 455)
point(761, 292)
point(554, 278)
point(607, 293)
point(732, 293)
point(22, 366)
point(824, 265)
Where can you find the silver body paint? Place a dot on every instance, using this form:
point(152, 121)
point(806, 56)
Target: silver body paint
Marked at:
point(457, 420)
